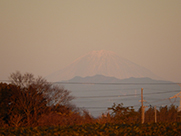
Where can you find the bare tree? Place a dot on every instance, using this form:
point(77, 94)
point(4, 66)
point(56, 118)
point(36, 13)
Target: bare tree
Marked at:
point(59, 96)
point(22, 80)
point(34, 95)
point(54, 94)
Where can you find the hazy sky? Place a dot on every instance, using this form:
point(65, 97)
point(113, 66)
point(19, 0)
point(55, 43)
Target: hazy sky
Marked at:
point(43, 36)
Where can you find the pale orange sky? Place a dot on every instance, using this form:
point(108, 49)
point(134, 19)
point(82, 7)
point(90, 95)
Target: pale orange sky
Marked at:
point(42, 37)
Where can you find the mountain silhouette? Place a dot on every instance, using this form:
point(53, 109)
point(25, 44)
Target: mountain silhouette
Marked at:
point(101, 62)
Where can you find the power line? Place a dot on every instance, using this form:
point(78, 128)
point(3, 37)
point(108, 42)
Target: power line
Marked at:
point(106, 96)
point(119, 89)
point(107, 107)
point(126, 95)
point(160, 100)
point(94, 107)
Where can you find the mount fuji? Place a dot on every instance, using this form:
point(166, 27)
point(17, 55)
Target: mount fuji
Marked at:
point(101, 62)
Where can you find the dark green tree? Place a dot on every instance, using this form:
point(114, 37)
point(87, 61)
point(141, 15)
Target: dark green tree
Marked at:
point(122, 114)
point(5, 102)
point(150, 115)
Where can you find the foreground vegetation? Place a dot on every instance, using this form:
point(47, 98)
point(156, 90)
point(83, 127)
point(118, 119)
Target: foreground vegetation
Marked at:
point(159, 129)
point(32, 106)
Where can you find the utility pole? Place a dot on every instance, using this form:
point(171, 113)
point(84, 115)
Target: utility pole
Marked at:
point(142, 108)
point(155, 115)
point(178, 96)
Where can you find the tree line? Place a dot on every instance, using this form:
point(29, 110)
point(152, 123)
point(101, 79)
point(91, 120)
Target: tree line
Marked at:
point(30, 101)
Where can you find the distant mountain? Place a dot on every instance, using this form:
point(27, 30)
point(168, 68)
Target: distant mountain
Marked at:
point(101, 62)
point(100, 92)
point(106, 79)
point(95, 79)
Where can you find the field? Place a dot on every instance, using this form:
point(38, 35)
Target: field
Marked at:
point(107, 129)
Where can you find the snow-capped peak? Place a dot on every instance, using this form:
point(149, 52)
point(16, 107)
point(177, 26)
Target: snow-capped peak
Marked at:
point(101, 62)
